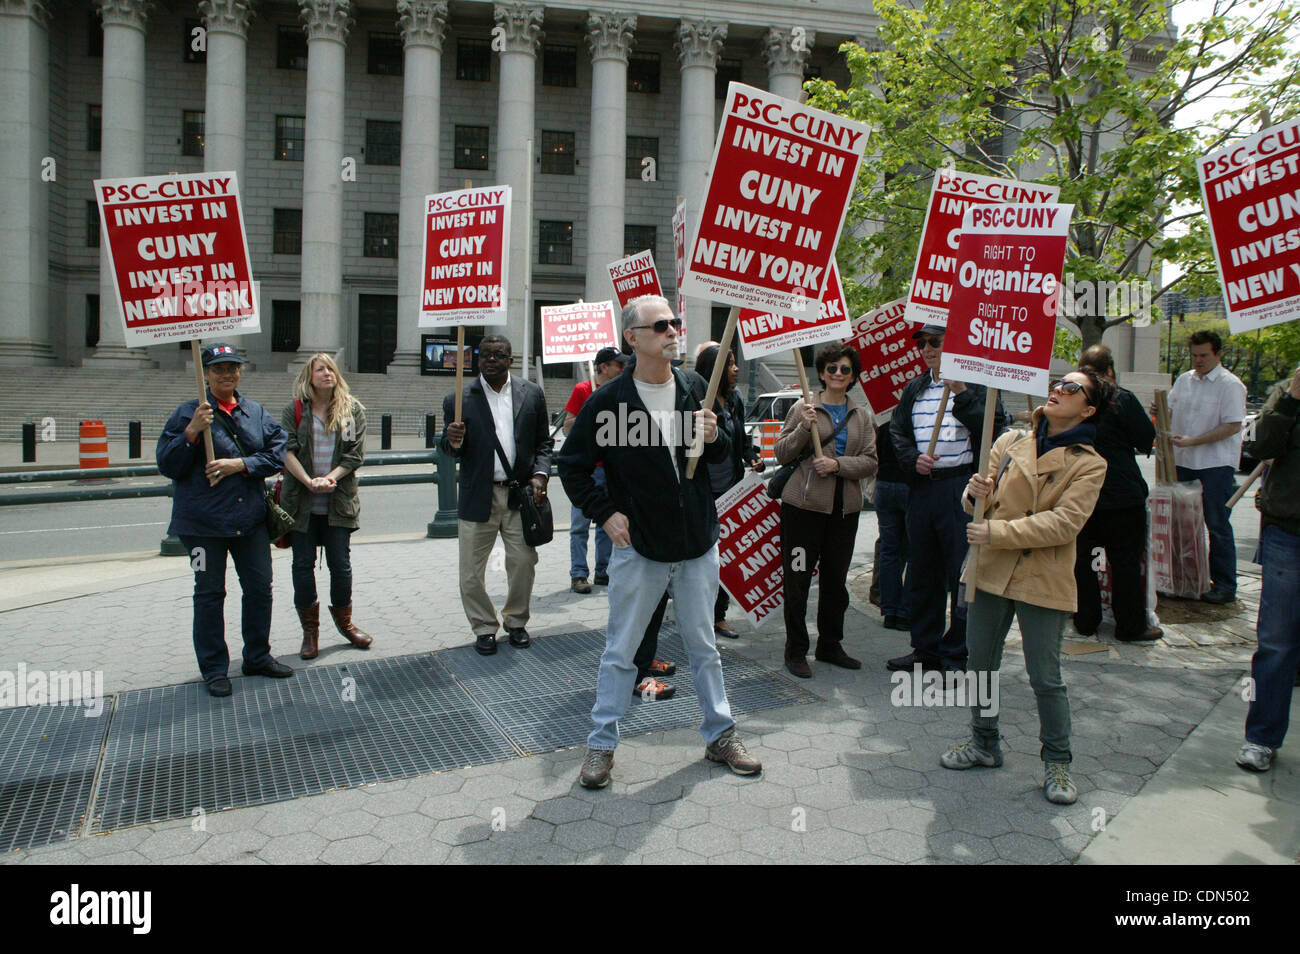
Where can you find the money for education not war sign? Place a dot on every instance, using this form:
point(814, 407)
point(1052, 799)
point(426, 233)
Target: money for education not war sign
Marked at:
point(889, 355)
point(634, 277)
point(465, 257)
point(1251, 192)
point(749, 548)
point(766, 333)
point(179, 256)
point(1002, 319)
point(577, 332)
point(936, 259)
point(779, 187)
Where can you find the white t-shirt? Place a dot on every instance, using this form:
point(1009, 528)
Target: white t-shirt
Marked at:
point(661, 401)
point(1198, 404)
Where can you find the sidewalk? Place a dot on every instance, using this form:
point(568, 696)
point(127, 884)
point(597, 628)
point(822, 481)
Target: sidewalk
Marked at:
point(849, 778)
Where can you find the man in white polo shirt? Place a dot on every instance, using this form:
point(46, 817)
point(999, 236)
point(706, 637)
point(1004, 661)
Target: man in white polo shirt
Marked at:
point(1206, 407)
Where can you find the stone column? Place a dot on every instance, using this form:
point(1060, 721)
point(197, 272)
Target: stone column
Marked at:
point(516, 37)
point(609, 35)
point(785, 50)
point(224, 104)
point(327, 23)
point(121, 154)
point(24, 195)
point(424, 24)
point(698, 44)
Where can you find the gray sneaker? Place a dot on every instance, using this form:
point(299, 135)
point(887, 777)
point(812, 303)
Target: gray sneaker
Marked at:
point(1257, 758)
point(729, 749)
point(596, 767)
point(1057, 784)
point(964, 755)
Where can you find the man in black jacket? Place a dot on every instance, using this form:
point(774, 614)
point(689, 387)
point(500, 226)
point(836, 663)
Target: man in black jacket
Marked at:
point(936, 522)
point(663, 526)
point(498, 411)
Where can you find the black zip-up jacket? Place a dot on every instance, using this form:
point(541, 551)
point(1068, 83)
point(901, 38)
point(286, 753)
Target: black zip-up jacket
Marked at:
point(1277, 436)
point(967, 407)
point(1124, 430)
point(668, 521)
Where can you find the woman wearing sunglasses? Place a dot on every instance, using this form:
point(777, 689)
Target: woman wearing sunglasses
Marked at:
point(1040, 489)
point(820, 506)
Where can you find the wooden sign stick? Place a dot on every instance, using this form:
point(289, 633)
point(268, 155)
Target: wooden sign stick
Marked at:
point(203, 394)
point(807, 399)
point(1254, 476)
point(986, 438)
point(696, 450)
point(460, 367)
point(938, 420)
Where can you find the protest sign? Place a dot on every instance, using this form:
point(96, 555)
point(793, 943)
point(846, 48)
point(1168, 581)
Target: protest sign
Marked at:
point(634, 276)
point(178, 255)
point(764, 333)
point(936, 259)
point(889, 355)
point(679, 255)
point(1002, 317)
point(778, 190)
point(465, 257)
point(749, 548)
point(1251, 193)
point(577, 332)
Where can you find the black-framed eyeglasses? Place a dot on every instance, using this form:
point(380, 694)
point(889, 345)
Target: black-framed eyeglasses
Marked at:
point(932, 341)
point(838, 369)
point(660, 326)
point(1068, 387)
point(495, 356)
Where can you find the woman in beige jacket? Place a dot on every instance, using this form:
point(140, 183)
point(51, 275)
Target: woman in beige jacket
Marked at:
point(1040, 489)
point(820, 506)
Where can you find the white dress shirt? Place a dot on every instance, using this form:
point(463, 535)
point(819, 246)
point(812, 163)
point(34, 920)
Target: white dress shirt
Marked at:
point(1200, 403)
point(501, 404)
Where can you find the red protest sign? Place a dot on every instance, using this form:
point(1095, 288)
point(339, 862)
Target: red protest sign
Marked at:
point(179, 256)
point(749, 548)
point(936, 259)
point(1002, 320)
point(779, 187)
point(1251, 193)
point(764, 333)
point(465, 257)
point(679, 256)
point(634, 276)
point(889, 355)
point(577, 332)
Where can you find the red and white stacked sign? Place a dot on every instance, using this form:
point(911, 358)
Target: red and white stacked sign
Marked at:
point(749, 548)
point(465, 256)
point(889, 355)
point(768, 333)
point(634, 277)
point(577, 332)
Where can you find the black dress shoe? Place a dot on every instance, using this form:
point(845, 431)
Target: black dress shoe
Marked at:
point(519, 638)
point(271, 668)
point(219, 687)
point(839, 658)
point(906, 663)
point(893, 622)
point(600, 579)
point(486, 644)
point(799, 667)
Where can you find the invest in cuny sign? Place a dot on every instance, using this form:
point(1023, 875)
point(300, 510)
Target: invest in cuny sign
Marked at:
point(889, 355)
point(465, 257)
point(577, 332)
point(179, 256)
point(936, 259)
point(634, 277)
point(764, 333)
point(779, 188)
point(1251, 192)
point(749, 548)
point(1002, 317)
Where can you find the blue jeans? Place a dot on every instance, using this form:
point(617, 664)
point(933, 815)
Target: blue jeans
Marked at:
point(636, 586)
point(578, 526)
point(1217, 484)
point(1273, 667)
point(252, 556)
point(891, 517)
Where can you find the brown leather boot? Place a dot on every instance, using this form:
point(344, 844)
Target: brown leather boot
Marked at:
point(343, 620)
point(310, 631)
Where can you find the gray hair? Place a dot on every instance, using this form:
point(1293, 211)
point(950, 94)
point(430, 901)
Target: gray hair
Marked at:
point(632, 310)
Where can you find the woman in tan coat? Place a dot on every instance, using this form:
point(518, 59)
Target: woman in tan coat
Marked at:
point(820, 506)
point(1040, 488)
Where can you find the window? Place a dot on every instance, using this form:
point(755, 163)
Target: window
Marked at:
point(196, 35)
point(381, 235)
point(286, 320)
point(638, 148)
point(92, 224)
point(383, 143)
point(287, 238)
point(290, 133)
point(556, 245)
point(385, 54)
point(473, 60)
point(290, 49)
point(557, 153)
point(643, 73)
point(471, 147)
point(92, 321)
point(94, 35)
point(812, 72)
point(728, 70)
point(638, 238)
point(94, 126)
point(559, 66)
point(192, 132)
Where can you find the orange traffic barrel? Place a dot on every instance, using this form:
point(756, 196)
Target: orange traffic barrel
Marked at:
point(94, 445)
point(769, 429)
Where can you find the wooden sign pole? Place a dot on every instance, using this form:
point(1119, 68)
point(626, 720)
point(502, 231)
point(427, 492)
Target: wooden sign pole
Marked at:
point(696, 449)
point(1254, 476)
point(460, 367)
point(203, 394)
point(986, 438)
point(938, 420)
point(807, 399)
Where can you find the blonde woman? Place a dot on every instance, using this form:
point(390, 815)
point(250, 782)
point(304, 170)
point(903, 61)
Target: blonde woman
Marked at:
point(327, 432)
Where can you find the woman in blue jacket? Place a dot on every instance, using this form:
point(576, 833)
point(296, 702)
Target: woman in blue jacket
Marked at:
point(218, 508)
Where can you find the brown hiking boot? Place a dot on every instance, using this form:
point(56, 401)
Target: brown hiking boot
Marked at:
point(343, 621)
point(310, 619)
point(728, 748)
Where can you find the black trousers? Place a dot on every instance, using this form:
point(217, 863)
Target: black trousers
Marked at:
point(828, 539)
point(936, 540)
point(1122, 534)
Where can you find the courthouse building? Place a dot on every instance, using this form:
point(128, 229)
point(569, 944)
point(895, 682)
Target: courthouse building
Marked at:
point(339, 117)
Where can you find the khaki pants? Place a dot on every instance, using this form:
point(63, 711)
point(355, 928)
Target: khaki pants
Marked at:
point(476, 541)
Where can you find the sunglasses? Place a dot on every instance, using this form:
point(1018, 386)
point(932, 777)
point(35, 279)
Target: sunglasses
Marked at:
point(1068, 387)
point(932, 341)
point(660, 326)
point(839, 369)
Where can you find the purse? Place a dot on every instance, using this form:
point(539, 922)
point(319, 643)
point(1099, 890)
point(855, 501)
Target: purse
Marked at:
point(278, 520)
point(285, 541)
point(776, 484)
point(539, 524)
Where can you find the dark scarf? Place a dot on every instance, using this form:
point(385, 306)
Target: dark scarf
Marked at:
point(1082, 433)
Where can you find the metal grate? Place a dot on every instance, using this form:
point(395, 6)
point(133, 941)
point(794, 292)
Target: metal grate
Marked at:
point(48, 756)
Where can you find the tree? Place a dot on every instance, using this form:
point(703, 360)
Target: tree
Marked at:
point(1089, 95)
